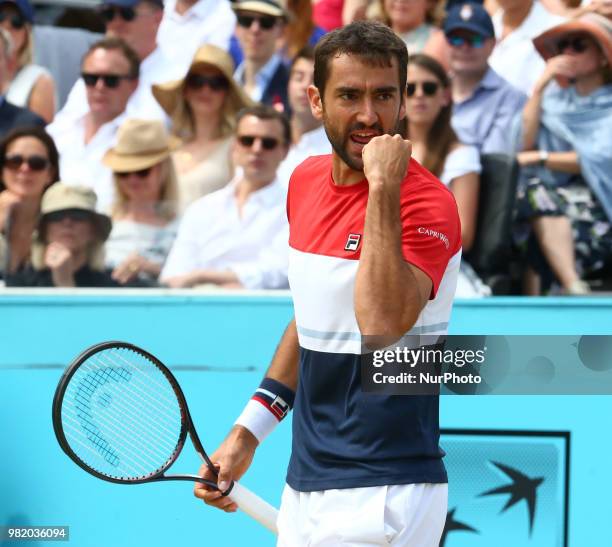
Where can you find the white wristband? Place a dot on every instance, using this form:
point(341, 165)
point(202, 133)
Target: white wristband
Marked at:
point(257, 419)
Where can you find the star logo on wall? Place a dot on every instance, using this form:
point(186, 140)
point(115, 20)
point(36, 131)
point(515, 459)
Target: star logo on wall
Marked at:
point(453, 525)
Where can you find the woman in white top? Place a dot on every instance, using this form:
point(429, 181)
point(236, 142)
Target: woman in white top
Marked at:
point(436, 147)
point(30, 86)
point(414, 21)
point(145, 211)
point(203, 107)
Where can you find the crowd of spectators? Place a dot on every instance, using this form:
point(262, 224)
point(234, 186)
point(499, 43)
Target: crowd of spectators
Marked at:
point(169, 161)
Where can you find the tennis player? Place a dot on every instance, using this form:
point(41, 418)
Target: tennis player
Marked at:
point(374, 250)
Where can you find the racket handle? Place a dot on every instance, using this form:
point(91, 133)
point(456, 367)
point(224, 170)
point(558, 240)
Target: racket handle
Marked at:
point(254, 506)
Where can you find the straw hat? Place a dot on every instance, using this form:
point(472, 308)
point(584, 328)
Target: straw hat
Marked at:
point(598, 26)
point(140, 144)
point(275, 8)
point(63, 197)
point(170, 94)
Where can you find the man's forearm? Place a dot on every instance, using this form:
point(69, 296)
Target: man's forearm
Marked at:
point(387, 299)
point(284, 366)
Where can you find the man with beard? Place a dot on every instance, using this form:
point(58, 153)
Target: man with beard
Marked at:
point(375, 247)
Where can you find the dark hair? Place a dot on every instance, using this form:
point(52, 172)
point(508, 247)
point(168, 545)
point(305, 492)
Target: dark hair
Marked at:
point(307, 52)
point(117, 43)
point(375, 44)
point(38, 133)
point(265, 112)
point(441, 136)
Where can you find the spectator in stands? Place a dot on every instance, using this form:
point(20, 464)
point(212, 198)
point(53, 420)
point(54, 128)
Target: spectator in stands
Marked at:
point(110, 73)
point(262, 74)
point(436, 147)
point(145, 211)
point(31, 86)
point(308, 137)
point(189, 24)
point(300, 30)
point(136, 23)
point(69, 247)
point(11, 116)
point(516, 24)
point(238, 236)
point(203, 107)
point(414, 21)
point(29, 163)
point(484, 104)
point(333, 14)
point(566, 158)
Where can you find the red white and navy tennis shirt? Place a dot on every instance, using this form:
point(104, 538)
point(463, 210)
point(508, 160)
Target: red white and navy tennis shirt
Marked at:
point(342, 437)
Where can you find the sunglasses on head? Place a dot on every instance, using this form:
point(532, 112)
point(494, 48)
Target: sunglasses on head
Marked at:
point(266, 22)
point(267, 143)
point(198, 81)
point(111, 81)
point(76, 215)
point(35, 163)
point(578, 44)
point(474, 40)
point(108, 13)
point(429, 88)
point(141, 173)
point(15, 19)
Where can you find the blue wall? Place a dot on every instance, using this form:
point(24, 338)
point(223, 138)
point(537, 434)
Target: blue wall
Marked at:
point(236, 335)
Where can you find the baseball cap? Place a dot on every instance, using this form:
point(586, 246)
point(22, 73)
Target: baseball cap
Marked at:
point(469, 16)
point(24, 7)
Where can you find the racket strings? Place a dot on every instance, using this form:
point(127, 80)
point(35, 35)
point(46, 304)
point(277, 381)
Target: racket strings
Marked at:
point(121, 416)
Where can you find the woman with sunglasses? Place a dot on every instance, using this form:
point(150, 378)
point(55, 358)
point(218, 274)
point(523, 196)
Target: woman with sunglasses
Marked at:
point(28, 165)
point(31, 86)
point(436, 146)
point(203, 107)
point(145, 211)
point(566, 177)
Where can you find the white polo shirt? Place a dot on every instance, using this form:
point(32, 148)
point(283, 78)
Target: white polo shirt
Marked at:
point(213, 236)
point(313, 143)
point(80, 163)
point(206, 22)
point(155, 68)
point(514, 57)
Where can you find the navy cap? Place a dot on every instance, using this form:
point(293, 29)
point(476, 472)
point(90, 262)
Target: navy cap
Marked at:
point(24, 7)
point(469, 16)
point(131, 3)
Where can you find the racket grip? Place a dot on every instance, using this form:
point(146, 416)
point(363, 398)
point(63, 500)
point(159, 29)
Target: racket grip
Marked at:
point(255, 507)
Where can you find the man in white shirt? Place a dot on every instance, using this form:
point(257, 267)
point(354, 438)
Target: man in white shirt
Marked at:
point(136, 22)
point(238, 236)
point(308, 135)
point(110, 73)
point(188, 24)
point(516, 23)
point(262, 73)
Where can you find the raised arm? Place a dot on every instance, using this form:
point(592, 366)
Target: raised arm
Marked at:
point(389, 292)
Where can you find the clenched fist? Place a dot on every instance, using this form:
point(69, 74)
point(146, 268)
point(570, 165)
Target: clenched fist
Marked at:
point(385, 160)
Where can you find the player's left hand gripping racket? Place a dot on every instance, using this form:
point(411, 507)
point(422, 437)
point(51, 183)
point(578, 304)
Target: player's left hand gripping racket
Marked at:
point(120, 414)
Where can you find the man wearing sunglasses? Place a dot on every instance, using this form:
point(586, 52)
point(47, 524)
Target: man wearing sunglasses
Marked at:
point(11, 116)
point(109, 72)
point(237, 236)
point(136, 22)
point(484, 104)
point(263, 75)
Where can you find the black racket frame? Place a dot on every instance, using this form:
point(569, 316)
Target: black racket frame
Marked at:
point(187, 426)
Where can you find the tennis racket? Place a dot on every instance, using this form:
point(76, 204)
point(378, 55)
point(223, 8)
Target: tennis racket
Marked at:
point(119, 414)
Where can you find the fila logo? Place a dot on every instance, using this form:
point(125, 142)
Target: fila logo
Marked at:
point(352, 243)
